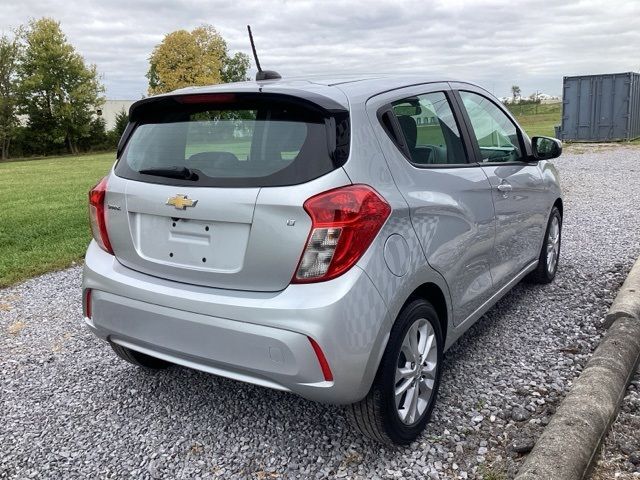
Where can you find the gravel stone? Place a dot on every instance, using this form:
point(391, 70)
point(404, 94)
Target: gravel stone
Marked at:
point(69, 408)
point(520, 414)
point(522, 445)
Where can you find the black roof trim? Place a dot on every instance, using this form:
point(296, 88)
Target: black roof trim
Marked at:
point(294, 95)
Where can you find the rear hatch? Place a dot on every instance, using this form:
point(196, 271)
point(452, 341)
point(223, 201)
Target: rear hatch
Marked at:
point(208, 188)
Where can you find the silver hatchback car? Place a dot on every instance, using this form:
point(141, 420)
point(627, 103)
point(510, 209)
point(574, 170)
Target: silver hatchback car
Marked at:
point(330, 237)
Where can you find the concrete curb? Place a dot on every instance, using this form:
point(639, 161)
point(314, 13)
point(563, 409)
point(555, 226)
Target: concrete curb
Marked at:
point(567, 448)
point(627, 302)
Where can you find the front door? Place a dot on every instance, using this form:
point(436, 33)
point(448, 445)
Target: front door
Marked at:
point(518, 189)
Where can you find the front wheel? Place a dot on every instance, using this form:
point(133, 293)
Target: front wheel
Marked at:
point(399, 404)
point(547, 267)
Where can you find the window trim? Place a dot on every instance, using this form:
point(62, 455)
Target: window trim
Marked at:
point(393, 130)
point(401, 143)
point(526, 157)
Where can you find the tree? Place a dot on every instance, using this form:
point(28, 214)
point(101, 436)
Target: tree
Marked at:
point(199, 57)
point(122, 119)
point(97, 138)
point(58, 91)
point(9, 55)
point(515, 91)
point(234, 69)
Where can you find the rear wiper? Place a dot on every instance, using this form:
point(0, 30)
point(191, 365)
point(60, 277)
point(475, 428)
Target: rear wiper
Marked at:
point(171, 172)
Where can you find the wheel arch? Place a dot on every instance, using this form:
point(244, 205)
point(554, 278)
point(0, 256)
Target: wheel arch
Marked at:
point(422, 282)
point(558, 203)
point(433, 294)
point(370, 415)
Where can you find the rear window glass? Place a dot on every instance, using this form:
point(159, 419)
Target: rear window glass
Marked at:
point(245, 144)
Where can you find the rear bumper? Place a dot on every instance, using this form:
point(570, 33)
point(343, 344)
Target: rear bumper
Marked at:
point(255, 337)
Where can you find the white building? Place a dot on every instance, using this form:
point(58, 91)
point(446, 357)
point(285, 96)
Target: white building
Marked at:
point(111, 108)
point(543, 97)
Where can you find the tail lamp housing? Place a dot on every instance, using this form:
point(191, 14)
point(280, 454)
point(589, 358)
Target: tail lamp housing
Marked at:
point(344, 223)
point(97, 215)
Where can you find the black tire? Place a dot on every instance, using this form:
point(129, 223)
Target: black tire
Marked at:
point(376, 415)
point(139, 359)
point(542, 274)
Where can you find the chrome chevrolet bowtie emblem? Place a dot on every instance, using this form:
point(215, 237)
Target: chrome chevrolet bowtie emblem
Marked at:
point(181, 202)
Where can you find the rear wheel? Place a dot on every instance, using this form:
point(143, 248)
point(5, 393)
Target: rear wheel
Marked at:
point(139, 359)
point(547, 267)
point(399, 404)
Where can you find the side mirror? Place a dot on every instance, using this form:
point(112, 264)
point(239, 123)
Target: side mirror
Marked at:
point(546, 148)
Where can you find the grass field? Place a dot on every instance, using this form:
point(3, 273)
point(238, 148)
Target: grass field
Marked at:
point(44, 221)
point(538, 119)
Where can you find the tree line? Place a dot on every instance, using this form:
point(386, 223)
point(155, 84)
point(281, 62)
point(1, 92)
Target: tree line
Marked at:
point(49, 95)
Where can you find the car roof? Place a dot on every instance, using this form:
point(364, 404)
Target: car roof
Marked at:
point(337, 87)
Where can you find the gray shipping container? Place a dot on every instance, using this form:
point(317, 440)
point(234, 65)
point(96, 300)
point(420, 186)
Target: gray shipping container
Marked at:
point(601, 108)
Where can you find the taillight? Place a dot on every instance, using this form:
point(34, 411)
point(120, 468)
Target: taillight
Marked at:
point(344, 223)
point(97, 215)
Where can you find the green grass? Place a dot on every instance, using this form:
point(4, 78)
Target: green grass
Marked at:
point(489, 474)
point(240, 148)
point(538, 119)
point(44, 221)
point(430, 135)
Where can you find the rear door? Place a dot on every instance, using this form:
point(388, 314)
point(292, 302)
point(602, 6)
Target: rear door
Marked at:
point(449, 198)
point(519, 195)
point(209, 189)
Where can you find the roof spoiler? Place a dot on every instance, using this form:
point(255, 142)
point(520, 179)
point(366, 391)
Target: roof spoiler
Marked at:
point(159, 104)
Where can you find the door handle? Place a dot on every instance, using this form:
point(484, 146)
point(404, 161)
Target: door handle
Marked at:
point(504, 188)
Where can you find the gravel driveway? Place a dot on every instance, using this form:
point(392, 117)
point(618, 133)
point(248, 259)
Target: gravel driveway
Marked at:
point(620, 455)
point(70, 409)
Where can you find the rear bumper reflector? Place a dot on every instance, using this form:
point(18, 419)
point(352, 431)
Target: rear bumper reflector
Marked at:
point(322, 360)
point(87, 303)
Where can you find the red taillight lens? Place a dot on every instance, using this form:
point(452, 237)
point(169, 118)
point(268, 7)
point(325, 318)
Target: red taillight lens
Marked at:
point(97, 215)
point(344, 223)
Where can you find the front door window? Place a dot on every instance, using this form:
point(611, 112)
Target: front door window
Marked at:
point(496, 134)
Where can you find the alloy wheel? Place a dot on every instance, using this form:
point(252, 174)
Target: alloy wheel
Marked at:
point(553, 245)
point(416, 371)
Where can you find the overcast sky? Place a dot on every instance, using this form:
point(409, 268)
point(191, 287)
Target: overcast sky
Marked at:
point(495, 43)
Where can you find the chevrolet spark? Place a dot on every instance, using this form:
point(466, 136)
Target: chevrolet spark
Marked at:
point(329, 237)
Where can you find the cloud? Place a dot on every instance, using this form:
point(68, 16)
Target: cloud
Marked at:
point(496, 43)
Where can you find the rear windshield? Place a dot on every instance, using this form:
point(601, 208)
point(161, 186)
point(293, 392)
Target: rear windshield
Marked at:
point(245, 143)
